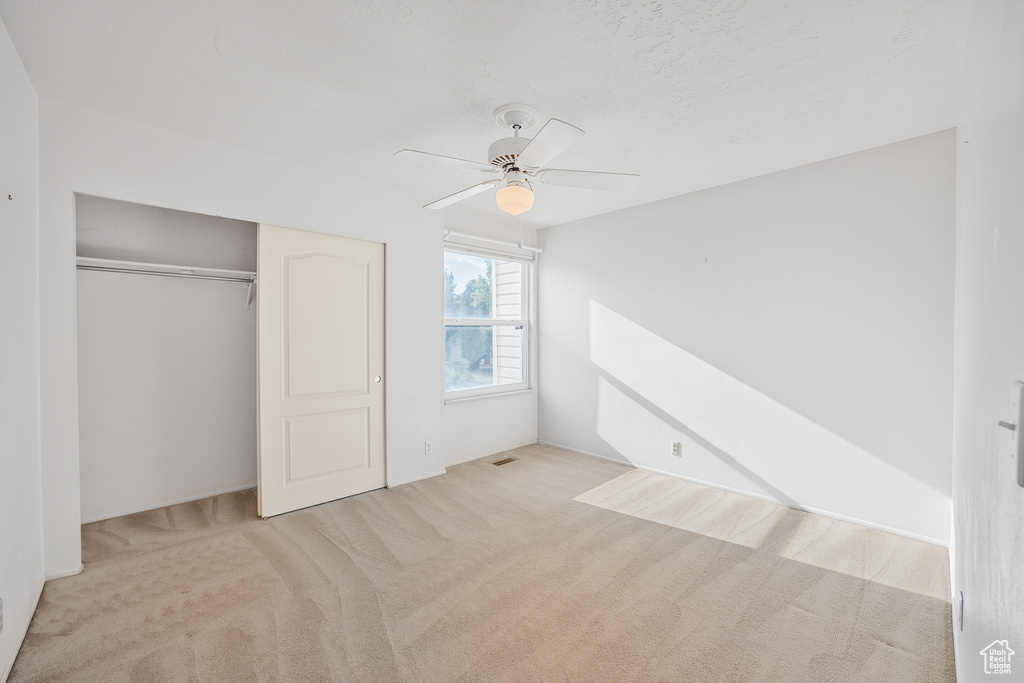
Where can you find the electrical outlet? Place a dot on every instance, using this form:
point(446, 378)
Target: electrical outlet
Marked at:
point(677, 449)
point(428, 447)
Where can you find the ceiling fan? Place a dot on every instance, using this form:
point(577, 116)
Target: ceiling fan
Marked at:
point(522, 162)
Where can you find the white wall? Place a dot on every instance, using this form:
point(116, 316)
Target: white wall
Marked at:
point(486, 425)
point(93, 154)
point(988, 506)
point(166, 366)
point(21, 546)
point(84, 152)
point(793, 331)
point(135, 232)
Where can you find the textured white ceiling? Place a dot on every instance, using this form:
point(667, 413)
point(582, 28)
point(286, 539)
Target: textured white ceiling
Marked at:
point(689, 94)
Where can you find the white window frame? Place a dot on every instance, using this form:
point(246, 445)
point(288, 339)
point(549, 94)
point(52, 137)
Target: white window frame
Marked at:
point(526, 309)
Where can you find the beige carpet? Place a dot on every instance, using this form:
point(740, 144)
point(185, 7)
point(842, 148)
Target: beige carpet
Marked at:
point(556, 567)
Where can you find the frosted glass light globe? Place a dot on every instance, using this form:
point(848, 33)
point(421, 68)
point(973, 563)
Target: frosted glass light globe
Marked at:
point(514, 198)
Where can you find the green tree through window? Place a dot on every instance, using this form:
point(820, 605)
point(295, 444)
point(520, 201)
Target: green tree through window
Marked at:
point(484, 322)
point(475, 343)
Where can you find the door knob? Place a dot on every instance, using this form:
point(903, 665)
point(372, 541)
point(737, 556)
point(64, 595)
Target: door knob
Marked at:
point(376, 378)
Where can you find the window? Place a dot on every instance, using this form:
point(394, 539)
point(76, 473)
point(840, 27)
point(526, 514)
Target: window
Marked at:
point(486, 334)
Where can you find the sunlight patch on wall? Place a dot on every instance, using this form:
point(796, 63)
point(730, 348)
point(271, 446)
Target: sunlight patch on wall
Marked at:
point(637, 432)
point(673, 391)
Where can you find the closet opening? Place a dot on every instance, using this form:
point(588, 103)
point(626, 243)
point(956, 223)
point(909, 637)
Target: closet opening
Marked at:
point(167, 366)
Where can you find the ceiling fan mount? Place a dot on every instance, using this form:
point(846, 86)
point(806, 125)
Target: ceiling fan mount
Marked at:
point(515, 117)
point(522, 163)
point(512, 115)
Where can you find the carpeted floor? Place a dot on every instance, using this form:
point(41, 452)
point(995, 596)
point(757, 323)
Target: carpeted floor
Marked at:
point(555, 567)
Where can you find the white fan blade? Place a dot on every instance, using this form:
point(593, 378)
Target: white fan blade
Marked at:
point(462, 194)
point(541, 210)
point(589, 180)
point(447, 161)
point(553, 139)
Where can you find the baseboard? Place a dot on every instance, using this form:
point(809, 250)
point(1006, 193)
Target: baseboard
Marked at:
point(393, 484)
point(458, 462)
point(67, 572)
point(617, 461)
point(164, 504)
point(760, 496)
point(24, 631)
point(489, 454)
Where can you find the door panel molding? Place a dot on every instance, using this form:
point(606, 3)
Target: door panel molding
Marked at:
point(321, 342)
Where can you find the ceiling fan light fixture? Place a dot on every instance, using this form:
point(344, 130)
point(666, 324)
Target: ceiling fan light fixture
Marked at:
point(520, 161)
point(514, 198)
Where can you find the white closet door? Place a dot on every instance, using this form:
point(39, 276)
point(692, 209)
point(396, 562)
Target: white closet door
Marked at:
point(321, 367)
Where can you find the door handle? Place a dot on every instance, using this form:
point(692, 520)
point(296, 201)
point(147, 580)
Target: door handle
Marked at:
point(376, 379)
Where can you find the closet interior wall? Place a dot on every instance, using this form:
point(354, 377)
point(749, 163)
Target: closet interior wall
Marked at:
point(166, 365)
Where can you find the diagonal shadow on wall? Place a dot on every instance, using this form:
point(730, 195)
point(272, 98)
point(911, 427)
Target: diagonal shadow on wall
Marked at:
point(741, 439)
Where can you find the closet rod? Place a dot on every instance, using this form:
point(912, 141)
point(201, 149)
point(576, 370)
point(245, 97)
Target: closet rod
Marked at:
point(166, 269)
point(194, 276)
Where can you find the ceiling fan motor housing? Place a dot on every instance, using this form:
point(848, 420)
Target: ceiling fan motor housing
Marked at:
point(503, 152)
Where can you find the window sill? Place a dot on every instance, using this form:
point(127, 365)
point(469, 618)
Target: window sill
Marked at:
point(496, 394)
